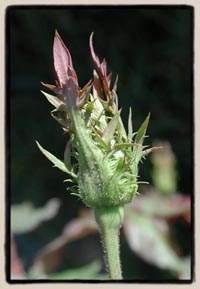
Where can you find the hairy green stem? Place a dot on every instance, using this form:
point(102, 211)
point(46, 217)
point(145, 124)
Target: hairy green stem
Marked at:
point(110, 220)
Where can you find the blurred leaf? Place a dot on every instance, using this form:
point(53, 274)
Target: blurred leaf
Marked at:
point(50, 256)
point(185, 269)
point(147, 240)
point(173, 206)
point(15, 276)
point(17, 271)
point(25, 218)
point(88, 272)
point(164, 170)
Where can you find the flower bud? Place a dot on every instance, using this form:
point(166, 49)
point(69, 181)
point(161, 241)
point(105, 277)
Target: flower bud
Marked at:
point(107, 157)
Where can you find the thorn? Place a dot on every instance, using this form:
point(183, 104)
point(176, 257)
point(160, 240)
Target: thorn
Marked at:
point(143, 182)
point(68, 180)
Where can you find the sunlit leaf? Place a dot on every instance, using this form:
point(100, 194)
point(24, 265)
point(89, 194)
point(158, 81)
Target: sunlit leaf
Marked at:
point(55, 101)
point(147, 241)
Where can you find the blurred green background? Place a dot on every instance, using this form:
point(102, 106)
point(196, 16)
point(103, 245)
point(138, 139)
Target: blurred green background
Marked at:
point(151, 48)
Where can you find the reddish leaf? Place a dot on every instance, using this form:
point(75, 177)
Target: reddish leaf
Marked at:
point(173, 206)
point(62, 59)
point(17, 270)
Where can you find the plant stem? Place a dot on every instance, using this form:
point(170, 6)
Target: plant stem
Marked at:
point(110, 220)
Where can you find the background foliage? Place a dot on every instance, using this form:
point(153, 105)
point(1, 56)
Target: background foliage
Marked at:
point(151, 50)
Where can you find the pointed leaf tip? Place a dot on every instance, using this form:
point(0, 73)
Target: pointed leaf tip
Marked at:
point(93, 54)
point(55, 101)
point(62, 61)
point(57, 162)
point(56, 33)
point(130, 125)
point(91, 35)
point(142, 130)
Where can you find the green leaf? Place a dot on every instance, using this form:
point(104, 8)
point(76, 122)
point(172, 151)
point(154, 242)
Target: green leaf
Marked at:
point(142, 130)
point(111, 127)
point(57, 163)
point(164, 172)
point(88, 110)
point(100, 140)
point(121, 129)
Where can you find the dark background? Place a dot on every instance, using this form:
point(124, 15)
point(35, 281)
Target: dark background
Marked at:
point(151, 48)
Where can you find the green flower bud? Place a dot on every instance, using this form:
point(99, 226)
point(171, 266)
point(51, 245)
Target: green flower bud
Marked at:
point(103, 177)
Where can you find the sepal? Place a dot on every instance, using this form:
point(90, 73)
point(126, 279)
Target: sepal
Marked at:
point(142, 130)
point(57, 163)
